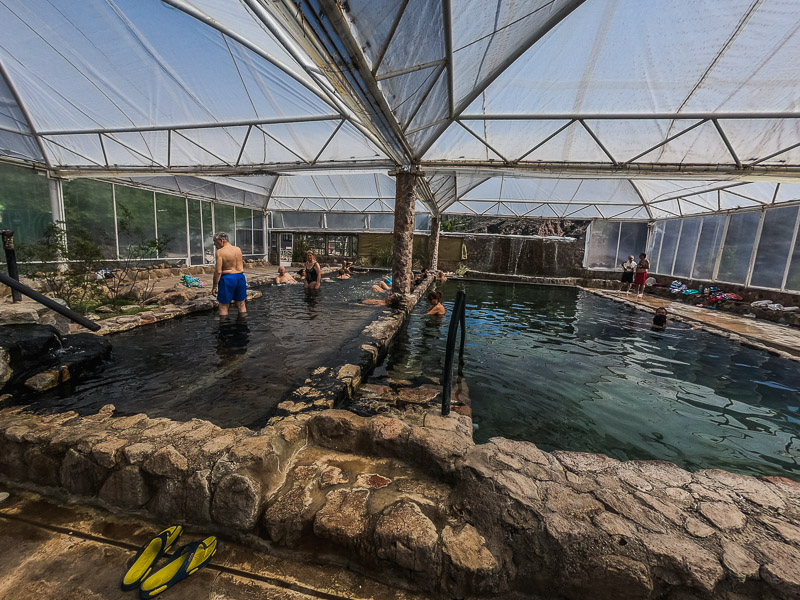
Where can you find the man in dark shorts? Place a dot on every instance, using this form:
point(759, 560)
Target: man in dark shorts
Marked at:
point(229, 282)
point(627, 274)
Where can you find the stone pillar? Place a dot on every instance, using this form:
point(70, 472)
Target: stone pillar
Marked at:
point(433, 243)
point(405, 198)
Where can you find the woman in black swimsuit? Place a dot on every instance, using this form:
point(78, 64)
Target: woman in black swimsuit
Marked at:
point(313, 272)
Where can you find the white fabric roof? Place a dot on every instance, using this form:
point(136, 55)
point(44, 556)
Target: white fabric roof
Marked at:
point(634, 109)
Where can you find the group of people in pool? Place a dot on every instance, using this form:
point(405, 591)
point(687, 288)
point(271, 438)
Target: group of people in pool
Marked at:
point(230, 285)
point(311, 274)
point(384, 285)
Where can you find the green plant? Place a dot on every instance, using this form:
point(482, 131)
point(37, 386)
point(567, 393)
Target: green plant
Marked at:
point(299, 249)
point(461, 270)
point(382, 257)
point(65, 268)
point(420, 258)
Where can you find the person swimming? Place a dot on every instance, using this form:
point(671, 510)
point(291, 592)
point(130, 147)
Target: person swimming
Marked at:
point(342, 274)
point(283, 277)
point(437, 308)
point(660, 319)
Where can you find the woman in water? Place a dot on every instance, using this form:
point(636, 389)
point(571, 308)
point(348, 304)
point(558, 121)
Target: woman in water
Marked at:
point(313, 272)
point(437, 308)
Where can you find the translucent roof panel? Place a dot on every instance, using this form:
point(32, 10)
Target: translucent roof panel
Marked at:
point(94, 67)
point(624, 109)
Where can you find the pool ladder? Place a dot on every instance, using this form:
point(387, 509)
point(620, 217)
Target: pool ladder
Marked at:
point(457, 322)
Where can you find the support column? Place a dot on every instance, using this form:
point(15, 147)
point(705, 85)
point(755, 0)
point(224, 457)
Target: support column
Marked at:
point(405, 198)
point(57, 202)
point(433, 243)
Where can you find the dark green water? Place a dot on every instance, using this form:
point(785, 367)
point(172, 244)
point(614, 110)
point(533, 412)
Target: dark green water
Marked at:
point(568, 370)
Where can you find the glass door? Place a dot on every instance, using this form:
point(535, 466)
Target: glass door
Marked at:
point(285, 250)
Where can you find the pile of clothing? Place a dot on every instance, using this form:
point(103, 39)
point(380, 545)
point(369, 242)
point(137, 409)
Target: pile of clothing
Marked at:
point(190, 281)
point(676, 287)
point(716, 297)
point(770, 305)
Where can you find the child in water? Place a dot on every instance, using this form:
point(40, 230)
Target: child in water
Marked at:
point(437, 308)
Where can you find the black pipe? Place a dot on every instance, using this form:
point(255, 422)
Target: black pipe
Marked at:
point(456, 319)
point(11, 261)
point(49, 302)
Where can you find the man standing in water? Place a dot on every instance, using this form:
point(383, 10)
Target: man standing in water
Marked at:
point(229, 279)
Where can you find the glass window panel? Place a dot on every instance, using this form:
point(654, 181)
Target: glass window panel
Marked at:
point(89, 205)
point(339, 245)
point(603, 238)
point(738, 247)
point(195, 232)
point(793, 278)
point(381, 221)
point(225, 221)
point(774, 247)
point(654, 247)
point(244, 230)
point(346, 221)
point(135, 218)
point(686, 247)
point(24, 204)
point(668, 246)
point(295, 220)
point(171, 225)
point(632, 241)
point(422, 222)
point(208, 233)
point(258, 232)
point(708, 246)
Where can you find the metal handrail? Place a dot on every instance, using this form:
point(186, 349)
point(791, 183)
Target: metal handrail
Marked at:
point(457, 320)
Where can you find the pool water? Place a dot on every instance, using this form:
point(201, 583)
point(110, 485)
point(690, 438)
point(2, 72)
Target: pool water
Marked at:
point(231, 372)
point(569, 370)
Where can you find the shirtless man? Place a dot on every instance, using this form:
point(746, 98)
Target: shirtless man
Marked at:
point(229, 276)
point(284, 277)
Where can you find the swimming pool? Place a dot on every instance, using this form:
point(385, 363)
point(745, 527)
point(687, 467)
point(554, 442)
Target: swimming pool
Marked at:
point(568, 370)
point(230, 372)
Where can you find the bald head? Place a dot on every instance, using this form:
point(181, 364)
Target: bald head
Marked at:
point(281, 270)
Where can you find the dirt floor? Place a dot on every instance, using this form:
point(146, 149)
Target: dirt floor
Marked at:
point(50, 550)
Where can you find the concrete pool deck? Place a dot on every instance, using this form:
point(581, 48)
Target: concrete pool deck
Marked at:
point(770, 335)
point(53, 550)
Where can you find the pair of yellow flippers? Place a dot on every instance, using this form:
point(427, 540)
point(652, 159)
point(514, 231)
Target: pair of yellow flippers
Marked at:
point(184, 562)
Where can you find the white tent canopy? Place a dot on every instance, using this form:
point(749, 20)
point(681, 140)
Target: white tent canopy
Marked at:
point(623, 109)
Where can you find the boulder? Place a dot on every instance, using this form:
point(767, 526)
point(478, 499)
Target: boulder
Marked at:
point(80, 475)
point(237, 502)
point(125, 488)
point(343, 517)
point(405, 536)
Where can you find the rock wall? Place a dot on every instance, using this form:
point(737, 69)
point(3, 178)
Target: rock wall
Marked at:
point(524, 255)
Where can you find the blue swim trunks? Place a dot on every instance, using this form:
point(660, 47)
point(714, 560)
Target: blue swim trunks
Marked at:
point(232, 288)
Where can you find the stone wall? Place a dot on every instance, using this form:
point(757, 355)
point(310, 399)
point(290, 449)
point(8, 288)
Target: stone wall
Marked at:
point(524, 255)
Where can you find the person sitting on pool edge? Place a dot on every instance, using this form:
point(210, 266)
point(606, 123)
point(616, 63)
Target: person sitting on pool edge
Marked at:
point(391, 301)
point(660, 319)
point(383, 286)
point(283, 276)
point(437, 308)
point(229, 282)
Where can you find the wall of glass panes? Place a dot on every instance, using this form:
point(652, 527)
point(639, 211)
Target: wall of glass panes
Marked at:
point(753, 248)
point(305, 221)
point(609, 243)
point(119, 217)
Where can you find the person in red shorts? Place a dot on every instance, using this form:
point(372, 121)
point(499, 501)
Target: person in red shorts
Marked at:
point(642, 267)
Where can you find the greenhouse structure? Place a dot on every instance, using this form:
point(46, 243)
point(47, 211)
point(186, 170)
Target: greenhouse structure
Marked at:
point(674, 122)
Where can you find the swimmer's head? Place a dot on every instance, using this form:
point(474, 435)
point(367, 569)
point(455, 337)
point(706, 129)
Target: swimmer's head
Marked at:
point(281, 271)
